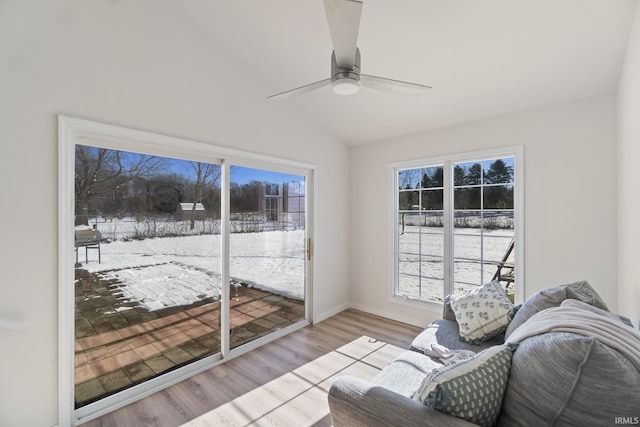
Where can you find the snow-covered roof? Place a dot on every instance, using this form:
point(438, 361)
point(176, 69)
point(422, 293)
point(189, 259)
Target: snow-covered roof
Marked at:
point(189, 206)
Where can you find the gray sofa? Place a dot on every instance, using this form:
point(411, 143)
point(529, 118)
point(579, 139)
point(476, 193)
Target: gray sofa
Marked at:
point(554, 378)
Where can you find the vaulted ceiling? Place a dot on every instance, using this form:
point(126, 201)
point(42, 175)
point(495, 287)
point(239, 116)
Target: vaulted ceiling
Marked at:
point(482, 57)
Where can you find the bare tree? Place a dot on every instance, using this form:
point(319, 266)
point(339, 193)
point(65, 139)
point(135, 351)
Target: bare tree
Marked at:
point(408, 179)
point(100, 171)
point(207, 175)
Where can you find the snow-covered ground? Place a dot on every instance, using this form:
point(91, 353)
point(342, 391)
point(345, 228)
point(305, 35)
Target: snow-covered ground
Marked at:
point(169, 271)
point(469, 244)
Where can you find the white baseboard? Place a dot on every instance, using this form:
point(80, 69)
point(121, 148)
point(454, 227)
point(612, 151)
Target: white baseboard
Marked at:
point(429, 315)
point(325, 315)
point(393, 316)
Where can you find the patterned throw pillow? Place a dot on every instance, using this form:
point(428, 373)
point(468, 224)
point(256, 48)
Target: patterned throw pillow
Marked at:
point(472, 388)
point(482, 313)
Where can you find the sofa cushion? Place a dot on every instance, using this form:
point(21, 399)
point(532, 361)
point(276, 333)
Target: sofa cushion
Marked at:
point(561, 378)
point(405, 373)
point(553, 297)
point(472, 388)
point(482, 313)
point(446, 333)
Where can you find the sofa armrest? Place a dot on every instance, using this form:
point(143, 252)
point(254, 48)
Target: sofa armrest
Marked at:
point(354, 402)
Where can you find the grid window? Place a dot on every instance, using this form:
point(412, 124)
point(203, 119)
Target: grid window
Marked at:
point(455, 226)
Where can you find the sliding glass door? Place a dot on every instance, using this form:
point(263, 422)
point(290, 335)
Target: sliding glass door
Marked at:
point(172, 259)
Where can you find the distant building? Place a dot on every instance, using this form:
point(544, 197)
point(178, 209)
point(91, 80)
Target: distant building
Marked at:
point(183, 211)
point(284, 203)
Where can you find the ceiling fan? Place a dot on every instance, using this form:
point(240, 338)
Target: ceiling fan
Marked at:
point(344, 20)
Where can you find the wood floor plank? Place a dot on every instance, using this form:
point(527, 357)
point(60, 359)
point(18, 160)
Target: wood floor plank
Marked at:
point(283, 383)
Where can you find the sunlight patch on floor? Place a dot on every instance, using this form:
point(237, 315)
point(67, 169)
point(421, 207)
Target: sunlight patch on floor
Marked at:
point(299, 398)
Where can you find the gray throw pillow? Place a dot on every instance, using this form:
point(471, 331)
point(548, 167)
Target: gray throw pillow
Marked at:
point(470, 389)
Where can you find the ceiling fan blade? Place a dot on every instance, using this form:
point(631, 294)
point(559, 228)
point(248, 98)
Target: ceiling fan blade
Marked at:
point(344, 21)
point(300, 90)
point(411, 90)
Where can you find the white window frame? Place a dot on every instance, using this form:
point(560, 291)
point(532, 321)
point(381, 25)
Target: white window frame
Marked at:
point(517, 152)
point(72, 131)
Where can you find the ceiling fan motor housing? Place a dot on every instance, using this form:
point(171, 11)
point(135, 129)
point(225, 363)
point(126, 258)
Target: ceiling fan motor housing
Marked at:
point(345, 81)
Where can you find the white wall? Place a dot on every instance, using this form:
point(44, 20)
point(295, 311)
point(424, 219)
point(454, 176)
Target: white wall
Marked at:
point(628, 183)
point(138, 64)
point(569, 190)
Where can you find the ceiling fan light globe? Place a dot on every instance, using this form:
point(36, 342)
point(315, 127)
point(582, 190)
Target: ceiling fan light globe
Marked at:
point(345, 86)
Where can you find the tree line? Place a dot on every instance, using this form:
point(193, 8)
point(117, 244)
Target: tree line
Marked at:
point(473, 187)
point(114, 183)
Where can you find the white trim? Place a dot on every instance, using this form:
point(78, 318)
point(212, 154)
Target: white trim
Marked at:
point(309, 300)
point(225, 322)
point(447, 160)
point(434, 309)
point(72, 131)
point(163, 145)
point(319, 317)
point(447, 219)
point(392, 243)
point(65, 274)
point(460, 157)
point(519, 227)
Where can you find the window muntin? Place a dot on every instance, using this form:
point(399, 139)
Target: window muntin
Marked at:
point(455, 226)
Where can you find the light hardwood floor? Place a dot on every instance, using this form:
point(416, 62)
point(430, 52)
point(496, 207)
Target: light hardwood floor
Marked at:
point(283, 383)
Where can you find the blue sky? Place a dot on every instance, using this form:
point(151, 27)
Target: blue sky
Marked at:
point(240, 175)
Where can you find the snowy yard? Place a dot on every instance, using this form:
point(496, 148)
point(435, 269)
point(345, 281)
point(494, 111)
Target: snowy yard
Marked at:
point(170, 271)
point(470, 244)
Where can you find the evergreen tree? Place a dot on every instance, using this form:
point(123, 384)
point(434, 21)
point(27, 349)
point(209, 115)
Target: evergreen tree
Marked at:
point(459, 173)
point(498, 173)
point(433, 177)
point(501, 196)
point(474, 176)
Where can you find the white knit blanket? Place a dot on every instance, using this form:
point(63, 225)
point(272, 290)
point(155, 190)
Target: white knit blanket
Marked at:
point(583, 319)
